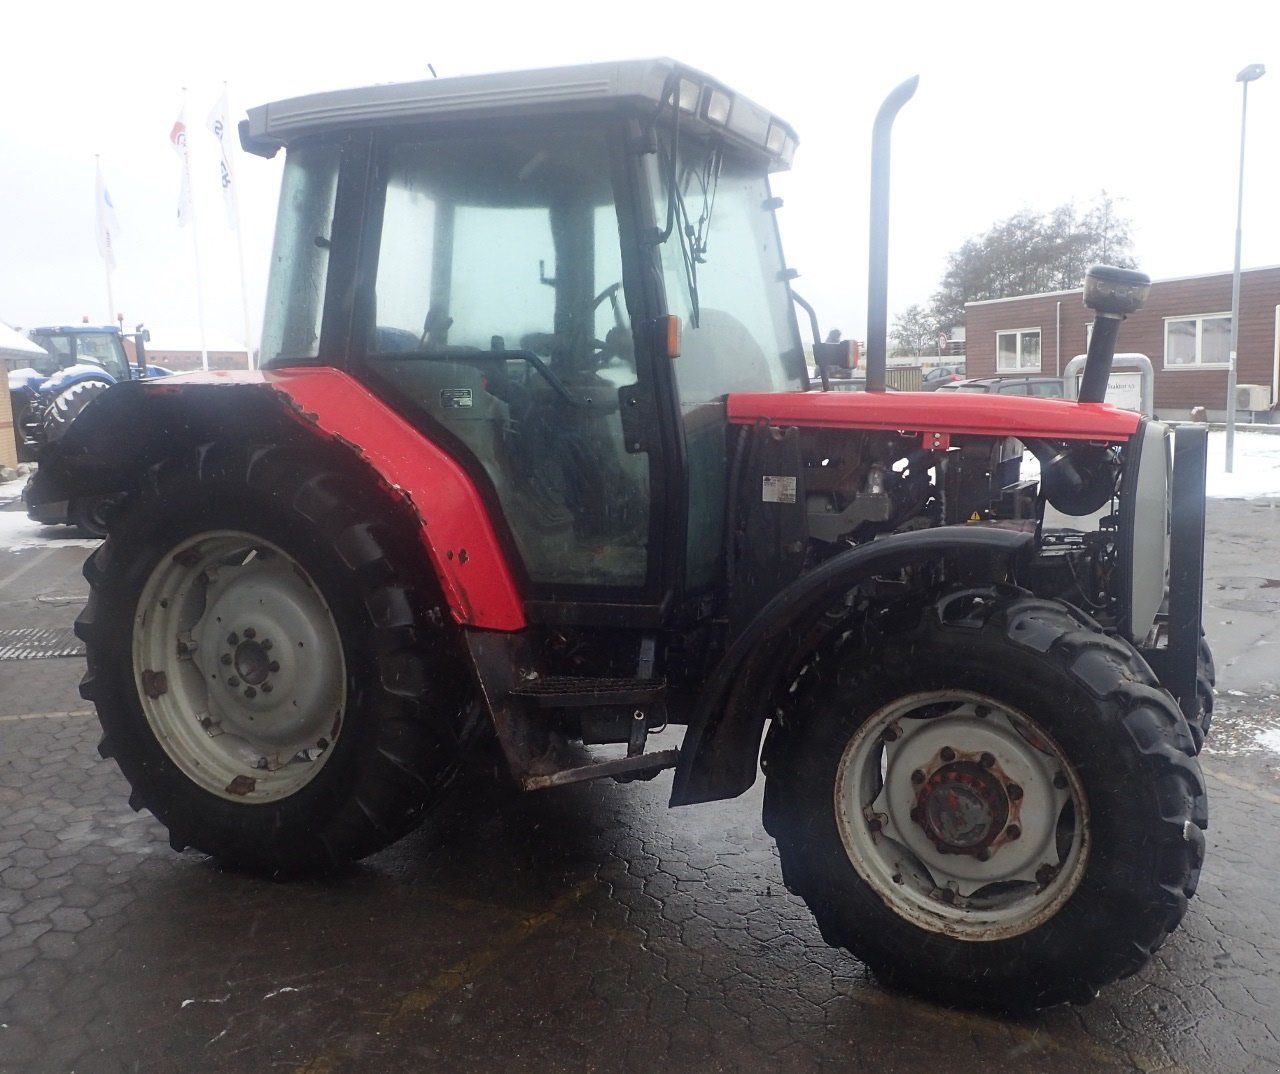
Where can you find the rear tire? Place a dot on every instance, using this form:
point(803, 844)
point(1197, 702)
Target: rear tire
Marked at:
point(993, 805)
point(270, 661)
point(68, 405)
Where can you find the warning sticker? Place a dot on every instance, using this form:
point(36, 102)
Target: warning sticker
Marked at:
point(455, 398)
point(779, 490)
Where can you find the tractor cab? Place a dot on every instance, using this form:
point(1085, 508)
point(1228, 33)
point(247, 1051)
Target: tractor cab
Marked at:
point(87, 345)
point(564, 296)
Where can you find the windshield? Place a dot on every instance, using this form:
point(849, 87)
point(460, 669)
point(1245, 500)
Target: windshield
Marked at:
point(723, 266)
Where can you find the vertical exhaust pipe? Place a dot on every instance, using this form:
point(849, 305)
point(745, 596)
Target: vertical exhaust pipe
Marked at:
point(1113, 294)
point(878, 268)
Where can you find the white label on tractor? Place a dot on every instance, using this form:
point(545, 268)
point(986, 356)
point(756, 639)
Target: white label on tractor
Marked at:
point(455, 398)
point(779, 490)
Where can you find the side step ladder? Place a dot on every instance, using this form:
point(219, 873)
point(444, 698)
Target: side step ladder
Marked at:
point(565, 692)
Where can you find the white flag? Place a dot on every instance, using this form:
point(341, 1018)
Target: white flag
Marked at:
point(222, 130)
point(108, 225)
point(178, 139)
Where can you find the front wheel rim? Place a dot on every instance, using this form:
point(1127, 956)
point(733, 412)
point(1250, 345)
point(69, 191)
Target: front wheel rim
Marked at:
point(239, 666)
point(963, 815)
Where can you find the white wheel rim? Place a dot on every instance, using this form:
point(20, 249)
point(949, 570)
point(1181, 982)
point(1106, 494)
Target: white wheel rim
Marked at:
point(239, 666)
point(963, 815)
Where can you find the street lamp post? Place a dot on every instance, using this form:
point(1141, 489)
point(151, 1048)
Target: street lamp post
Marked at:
point(1250, 74)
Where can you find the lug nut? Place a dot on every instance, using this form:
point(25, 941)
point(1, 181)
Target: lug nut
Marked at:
point(233, 682)
point(987, 760)
point(274, 665)
point(917, 777)
point(266, 687)
point(249, 691)
point(1060, 781)
point(265, 643)
point(1013, 832)
point(874, 824)
point(947, 753)
point(226, 658)
point(983, 855)
point(1014, 791)
point(233, 639)
point(249, 632)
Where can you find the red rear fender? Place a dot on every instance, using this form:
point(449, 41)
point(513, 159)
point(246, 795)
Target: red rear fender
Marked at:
point(457, 532)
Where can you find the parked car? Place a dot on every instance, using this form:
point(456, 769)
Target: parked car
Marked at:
point(1041, 387)
point(936, 378)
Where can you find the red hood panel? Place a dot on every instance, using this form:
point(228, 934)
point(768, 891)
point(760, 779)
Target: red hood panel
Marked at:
point(927, 412)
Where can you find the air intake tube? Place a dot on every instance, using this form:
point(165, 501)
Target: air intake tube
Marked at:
point(1113, 293)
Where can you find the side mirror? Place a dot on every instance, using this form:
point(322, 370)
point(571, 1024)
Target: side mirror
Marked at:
point(841, 355)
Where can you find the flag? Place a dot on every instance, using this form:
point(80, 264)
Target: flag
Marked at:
point(108, 225)
point(221, 127)
point(178, 139)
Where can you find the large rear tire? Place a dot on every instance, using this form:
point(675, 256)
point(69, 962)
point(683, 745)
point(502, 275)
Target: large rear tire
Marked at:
point(270, 660)
point(993, 804)
point(68, 405)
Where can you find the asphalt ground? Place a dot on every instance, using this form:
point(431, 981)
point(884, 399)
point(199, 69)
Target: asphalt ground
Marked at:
point(583, 929)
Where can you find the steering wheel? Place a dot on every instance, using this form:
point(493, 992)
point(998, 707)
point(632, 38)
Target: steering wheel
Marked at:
point(617, 341)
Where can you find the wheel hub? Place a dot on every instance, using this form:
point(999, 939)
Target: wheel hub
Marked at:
point(252, 659)
point(962, 808)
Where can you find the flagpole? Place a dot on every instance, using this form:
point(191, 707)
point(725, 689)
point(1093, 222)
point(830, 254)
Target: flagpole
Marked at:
point(244, 297)
point(195, 235)
point(106, 260)
point(235, 224)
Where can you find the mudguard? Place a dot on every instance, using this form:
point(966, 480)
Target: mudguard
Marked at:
point(111, 446)
point(720, 750)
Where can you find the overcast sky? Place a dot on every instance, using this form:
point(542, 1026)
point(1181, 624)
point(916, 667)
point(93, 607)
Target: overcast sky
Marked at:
point(1021, 106)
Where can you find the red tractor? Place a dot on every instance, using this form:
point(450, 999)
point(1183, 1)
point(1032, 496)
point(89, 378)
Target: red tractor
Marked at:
point(534, 456)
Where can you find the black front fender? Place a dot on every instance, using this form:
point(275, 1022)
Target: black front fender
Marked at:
point(108, 448)
point(718, 758)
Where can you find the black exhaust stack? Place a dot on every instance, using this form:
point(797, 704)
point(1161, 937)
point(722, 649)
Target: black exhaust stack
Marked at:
point(878, 268)
point(1113, 293)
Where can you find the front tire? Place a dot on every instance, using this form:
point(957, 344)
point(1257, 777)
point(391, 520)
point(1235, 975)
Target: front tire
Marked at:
point(272, 673)
point(991, 803)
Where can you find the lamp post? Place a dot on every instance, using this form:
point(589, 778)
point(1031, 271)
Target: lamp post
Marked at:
point(1249, 74)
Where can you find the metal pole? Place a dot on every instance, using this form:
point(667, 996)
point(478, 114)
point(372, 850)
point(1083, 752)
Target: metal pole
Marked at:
point(1249, 74)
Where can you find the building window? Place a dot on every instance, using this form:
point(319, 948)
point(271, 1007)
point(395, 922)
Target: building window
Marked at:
point(1018, 351)
point(1197, 341)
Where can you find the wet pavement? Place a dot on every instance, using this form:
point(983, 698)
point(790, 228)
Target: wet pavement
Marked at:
point(584, 929)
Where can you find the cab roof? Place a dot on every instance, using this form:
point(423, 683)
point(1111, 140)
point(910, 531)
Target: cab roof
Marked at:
point(549, 90)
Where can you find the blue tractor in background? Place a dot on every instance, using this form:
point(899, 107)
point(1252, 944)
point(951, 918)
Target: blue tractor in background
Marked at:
point(82, 361)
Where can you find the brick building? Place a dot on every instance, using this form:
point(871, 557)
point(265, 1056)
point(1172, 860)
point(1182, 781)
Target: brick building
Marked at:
point(1185, 329)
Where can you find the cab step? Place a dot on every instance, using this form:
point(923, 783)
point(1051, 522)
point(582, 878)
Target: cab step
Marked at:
point(570, 691)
